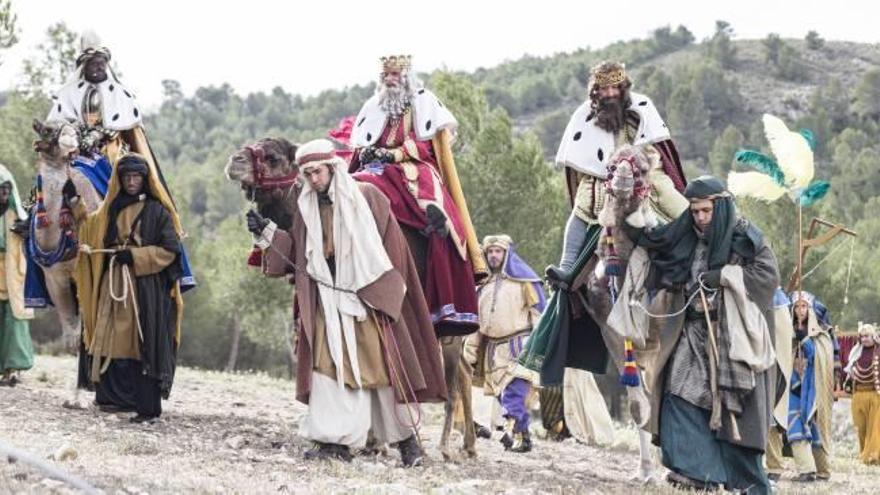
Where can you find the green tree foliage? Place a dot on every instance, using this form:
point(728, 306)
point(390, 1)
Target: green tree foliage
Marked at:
point(814, 41)
point(720, 93)
point(58, 58)
point(511, 188)
point(772, 44)
point(866, 100)
point(720, 46)
point(785, 59)
point(725, 146)
point(689, 120)
point(657, 84)
point(8, 26)
point(668, 40)
point(790, 65)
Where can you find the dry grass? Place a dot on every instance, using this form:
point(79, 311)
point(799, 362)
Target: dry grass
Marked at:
point(224, 433)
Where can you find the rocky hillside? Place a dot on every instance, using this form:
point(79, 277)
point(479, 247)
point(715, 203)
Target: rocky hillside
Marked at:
point(236, 433)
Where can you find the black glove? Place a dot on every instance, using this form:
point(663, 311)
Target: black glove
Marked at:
point(368, 155)
point(384, 156)
point(22, 228)
point(255, 222)
point(373, 154)
point(711, 279)
point(69, 190)
point(124, 257)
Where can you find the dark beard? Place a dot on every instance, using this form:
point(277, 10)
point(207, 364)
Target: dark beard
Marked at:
point(610, 114)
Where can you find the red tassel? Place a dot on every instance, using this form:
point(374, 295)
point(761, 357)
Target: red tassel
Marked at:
point(43, 220)
point(65, 219)
point(256, 258)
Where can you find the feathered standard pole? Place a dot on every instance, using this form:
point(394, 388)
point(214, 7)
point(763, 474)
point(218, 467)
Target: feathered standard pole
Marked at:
point(791, 173)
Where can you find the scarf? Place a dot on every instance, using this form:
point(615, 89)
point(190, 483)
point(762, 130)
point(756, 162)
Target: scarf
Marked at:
point(672, 246)
point(360, 260)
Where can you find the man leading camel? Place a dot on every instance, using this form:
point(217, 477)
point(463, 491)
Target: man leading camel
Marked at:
point(128, 282)
point(712, 377)
point(366, 347)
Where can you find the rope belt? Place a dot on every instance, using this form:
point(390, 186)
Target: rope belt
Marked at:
point(126, 290)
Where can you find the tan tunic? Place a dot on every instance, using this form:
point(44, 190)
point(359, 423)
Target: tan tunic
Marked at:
point(507, 314)
point(371, 359)
point(506, 307)
point(116, 330)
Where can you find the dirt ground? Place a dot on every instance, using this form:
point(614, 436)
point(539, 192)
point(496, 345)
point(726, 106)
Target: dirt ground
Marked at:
point(237, 433)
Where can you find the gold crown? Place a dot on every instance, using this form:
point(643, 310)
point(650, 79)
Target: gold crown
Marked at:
point(396, 62)
point(608, 74)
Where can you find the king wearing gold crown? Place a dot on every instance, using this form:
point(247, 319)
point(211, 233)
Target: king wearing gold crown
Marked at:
point(402, 139)
point(612, 117)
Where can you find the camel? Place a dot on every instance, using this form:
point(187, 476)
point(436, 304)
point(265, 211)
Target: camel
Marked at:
point(54, 231)
point(267, 175)
point(626, 200)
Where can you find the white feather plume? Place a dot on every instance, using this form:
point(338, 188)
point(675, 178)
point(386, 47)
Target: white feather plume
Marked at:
point(791, 150)
point(90, 39)
point(754, 185)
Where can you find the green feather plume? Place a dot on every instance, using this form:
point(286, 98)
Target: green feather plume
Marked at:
point(814, 192)
point(811, 139)
point(762, 163)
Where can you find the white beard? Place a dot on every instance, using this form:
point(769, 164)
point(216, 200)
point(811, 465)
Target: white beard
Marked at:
point(394, 101)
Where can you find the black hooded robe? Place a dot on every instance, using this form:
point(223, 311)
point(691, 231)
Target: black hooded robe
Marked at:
point(140, 384)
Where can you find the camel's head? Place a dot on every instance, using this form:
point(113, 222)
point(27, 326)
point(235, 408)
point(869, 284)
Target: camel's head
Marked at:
point(628, 173)
point(265, 164)
point(628, 188)
point(266, 171)
point(57, 141)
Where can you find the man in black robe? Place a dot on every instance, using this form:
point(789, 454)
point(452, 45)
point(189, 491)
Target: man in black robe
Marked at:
point(128, 286)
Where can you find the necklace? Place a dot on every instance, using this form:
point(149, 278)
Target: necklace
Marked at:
point(869, 374)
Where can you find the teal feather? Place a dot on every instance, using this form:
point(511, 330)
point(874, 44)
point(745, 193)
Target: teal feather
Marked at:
point(811, 139)
point(762, 163)
point(814, 192)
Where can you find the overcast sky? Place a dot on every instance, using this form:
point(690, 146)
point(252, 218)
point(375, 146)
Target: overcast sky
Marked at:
point(308, 46)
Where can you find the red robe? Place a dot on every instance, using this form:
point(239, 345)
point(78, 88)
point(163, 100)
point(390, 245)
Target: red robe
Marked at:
point(448, 280)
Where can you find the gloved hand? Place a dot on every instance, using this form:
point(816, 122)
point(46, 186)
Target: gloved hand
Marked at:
point(255, 222)
point(372, 154)
point(711, 279)
point(384, 156)
point(69, 190)
point(22, 228)
point(124, 257)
